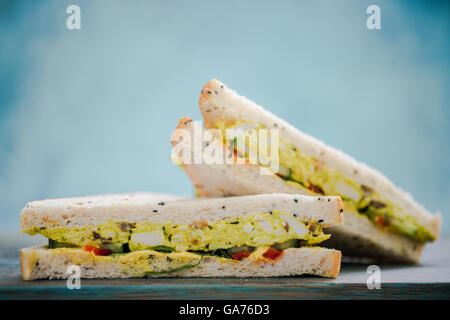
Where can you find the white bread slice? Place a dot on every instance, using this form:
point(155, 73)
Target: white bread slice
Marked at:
point(219, 103)
point(42, 263)
point(154, 208)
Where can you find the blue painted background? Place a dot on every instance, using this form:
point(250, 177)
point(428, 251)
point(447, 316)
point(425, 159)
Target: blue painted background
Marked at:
point(91, 111)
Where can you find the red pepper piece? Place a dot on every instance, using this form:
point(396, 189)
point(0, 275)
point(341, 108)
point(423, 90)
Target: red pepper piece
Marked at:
point(97, 251)
point(240, 255)
point(272, 253)
point(381, 221)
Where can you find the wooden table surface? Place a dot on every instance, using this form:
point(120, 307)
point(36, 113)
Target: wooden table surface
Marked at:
point(429, 280)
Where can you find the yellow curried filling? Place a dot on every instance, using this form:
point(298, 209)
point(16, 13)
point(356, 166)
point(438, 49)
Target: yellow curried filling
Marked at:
point(256, 230)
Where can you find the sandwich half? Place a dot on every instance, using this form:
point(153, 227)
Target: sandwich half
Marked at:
point(155, 235)
point(381, 221)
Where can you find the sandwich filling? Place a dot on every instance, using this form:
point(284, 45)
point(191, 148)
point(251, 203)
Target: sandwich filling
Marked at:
point(314, 176)
point(266, 234)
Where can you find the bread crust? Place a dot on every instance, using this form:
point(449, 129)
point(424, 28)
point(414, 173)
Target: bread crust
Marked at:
point(25, 266)
point(42, 263)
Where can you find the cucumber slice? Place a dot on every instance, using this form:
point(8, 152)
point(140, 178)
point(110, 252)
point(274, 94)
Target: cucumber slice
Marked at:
point(404, 227)
point(52, 244)
point(293, 243)
point(114, 247)
point(164, 249)
point(236, 250)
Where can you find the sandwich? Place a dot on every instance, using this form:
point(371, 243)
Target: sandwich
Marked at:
point(155, 235)
point(381, 221)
